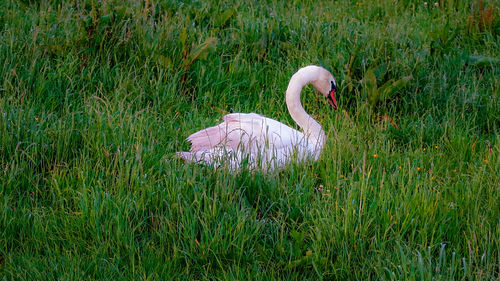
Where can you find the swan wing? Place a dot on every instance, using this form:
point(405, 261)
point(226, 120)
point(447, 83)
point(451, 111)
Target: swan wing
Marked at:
point(246, 130)
point(262, 141)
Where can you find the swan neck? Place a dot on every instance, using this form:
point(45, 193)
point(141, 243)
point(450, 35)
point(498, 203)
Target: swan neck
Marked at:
point(312, 129)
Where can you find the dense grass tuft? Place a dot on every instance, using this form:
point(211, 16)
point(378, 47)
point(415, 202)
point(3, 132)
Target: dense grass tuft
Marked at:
point(96, 96)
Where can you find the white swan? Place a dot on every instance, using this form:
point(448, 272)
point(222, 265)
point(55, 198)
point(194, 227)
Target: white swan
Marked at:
point(253, 140)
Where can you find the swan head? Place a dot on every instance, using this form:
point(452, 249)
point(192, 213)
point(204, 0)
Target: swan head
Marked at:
point(325, 84)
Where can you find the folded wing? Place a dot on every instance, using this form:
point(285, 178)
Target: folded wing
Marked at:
point(247, 131)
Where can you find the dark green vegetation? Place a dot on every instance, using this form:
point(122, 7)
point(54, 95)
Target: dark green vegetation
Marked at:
point(96, 96)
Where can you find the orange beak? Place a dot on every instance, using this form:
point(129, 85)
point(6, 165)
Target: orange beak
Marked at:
point(332, 100)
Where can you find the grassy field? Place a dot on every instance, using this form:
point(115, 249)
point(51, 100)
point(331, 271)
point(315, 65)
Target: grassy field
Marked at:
point(96, 97)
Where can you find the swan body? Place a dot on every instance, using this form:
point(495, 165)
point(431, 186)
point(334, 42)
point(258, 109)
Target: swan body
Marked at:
point(253, 140)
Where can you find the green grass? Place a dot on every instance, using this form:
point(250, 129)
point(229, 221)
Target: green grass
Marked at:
point(96, 96)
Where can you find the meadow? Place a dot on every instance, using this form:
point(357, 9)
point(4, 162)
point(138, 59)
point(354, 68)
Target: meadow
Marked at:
point(97, 96)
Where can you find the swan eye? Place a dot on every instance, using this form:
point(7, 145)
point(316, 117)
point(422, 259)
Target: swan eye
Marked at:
point(334, 87)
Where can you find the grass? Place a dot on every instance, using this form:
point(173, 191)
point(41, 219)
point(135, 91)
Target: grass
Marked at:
point(96, 96)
